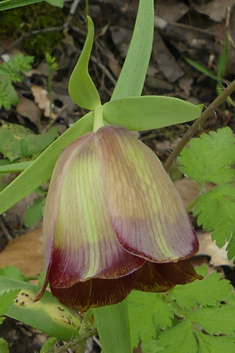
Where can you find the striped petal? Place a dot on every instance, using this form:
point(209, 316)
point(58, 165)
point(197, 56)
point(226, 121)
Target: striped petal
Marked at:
point(85, 244)
point(146, 211)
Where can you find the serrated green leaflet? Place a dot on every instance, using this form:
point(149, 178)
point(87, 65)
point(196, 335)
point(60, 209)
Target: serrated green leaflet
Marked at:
point(3, 346)
point(131, 80)
point(5, 71)
point(215, 321)
point(206, 292)
point(149, 112)
point(113, 327)
point(146, 311)
point(6, 300)
point(47, 315)
point(178, 339)
point(216, 212)
point(13, 272)
point(209, 158)
point(40, 170)
point(81, 87)
point(209, 344)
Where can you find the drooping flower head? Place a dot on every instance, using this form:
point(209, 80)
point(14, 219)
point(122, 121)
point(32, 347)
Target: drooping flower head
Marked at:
point(113, 222)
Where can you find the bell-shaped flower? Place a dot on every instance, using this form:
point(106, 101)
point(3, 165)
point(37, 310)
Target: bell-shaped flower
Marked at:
point(113, 222)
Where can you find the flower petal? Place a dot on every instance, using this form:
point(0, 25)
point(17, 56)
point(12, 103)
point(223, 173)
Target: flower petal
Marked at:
point(154, 277)
point(146, 210)
point(95, 292)
point(85, 244)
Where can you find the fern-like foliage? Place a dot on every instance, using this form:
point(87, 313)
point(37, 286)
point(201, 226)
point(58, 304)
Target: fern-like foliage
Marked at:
point(197, 317)
point(210, 159)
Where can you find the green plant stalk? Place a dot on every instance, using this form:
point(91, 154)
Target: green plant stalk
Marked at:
point(198, 123)
point(75, 342)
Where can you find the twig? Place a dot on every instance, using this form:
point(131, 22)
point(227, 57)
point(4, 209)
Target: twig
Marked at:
point(198, 123)
point(2, 225)
point(76, 341)
point(72, 11)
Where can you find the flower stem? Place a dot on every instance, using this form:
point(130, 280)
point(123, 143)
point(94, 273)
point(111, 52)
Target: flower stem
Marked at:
point(98, 118)
point(75, 342)
point(198, 123)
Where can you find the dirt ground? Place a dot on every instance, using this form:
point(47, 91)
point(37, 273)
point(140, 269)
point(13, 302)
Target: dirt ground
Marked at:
point(184, 29)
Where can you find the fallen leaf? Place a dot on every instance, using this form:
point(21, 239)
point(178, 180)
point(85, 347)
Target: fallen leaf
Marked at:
point(41, 98)
point(28, 109)
point(25, 252)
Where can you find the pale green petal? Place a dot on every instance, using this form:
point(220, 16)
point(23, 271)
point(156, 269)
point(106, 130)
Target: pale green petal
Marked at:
point(85, 244)
point(146, 211)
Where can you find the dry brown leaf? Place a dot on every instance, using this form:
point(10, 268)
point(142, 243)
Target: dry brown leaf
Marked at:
point(41, 98)
point(29, 109)
point(208, 247)
point(25, 252)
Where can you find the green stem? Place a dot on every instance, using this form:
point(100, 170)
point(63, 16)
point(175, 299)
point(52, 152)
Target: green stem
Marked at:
point(98, 118)
point(198, 123)
point(75, 342)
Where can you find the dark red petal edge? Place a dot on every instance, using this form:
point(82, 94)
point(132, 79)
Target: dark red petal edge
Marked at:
point(162, 277)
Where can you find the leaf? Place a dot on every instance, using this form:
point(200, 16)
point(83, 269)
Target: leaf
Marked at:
point(209, 344)
point(5, 71)
point(11, 4)
point(223, 60)
point(16, 141)
point(216, 212)
point(58, 3)
point(202, 69)
point(3, 346)
point(158, 111)
point(47, 315)
point(206, 292)
point(215, 321)
point(46, 348)
point(131, 80)
point(34, 213)
point(113, 327)
point(146, 311)
point(209, 158)
point(15, 167)
point(7, 299)
point(40, 170)
point(81, 87)
point(178, 339)
point(13, 273)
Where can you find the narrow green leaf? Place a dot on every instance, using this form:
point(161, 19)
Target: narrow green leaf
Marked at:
point(11, 4)
point(113, 327)
point(15, 167)
point(202, 69)
point(223, 60)
point(131, 80)
point(41, 169)
point(47, 315)
point(149, 112)
point(81, 87)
